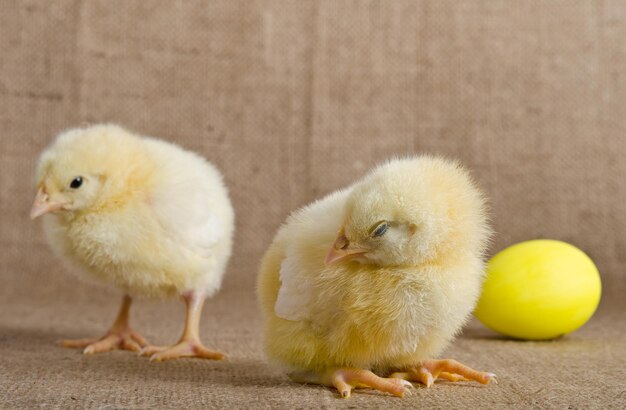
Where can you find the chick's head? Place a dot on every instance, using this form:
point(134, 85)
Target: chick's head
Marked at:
point(408, 212)
point(84, 168)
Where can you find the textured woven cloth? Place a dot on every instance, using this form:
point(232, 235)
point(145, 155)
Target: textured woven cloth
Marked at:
point(293, 99)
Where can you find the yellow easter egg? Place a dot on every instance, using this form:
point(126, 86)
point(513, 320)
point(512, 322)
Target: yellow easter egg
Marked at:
point(539, 289)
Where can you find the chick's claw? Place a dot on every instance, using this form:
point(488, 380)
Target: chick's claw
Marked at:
point(181, 349)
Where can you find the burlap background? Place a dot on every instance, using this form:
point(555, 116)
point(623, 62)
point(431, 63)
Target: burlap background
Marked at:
point(293, 99)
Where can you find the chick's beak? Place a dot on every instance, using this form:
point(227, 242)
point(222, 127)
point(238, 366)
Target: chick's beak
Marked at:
point(341, 250)
point(43, 205)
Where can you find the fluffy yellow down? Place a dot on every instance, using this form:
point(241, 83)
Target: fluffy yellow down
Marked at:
point(151, 218)
point(405, 303)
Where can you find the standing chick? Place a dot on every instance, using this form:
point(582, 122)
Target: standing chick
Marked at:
point(402, 275)
point(142, 215)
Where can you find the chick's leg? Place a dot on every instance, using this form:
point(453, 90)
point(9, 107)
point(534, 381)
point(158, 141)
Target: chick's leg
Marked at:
point(189, 344)
point(344, 380)
point(430, 370)
point(120, 336)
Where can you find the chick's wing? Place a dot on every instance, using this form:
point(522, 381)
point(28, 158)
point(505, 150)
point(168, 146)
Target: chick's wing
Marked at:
point(295, 295)
point(190, 202)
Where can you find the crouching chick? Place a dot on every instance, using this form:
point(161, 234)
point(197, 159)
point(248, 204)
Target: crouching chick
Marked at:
point(367, 286)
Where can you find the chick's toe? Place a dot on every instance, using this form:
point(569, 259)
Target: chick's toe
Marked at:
point(122, 340)
point(446, 369)
point(347, 379)
point(181, 349)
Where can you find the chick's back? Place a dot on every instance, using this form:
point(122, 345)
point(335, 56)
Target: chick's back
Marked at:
point(162, 223)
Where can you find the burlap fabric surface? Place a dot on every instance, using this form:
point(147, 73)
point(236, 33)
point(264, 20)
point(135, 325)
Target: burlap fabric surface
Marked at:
point(293, 99)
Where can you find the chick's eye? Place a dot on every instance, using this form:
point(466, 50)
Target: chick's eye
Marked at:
point(380, 229)
point(76, 183)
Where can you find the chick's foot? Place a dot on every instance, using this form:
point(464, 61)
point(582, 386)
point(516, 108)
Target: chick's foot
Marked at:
point(344, 380)
point(189, 344)
point(125, 339)
point(120, 336)
point(181, 349)
point(446, 369)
